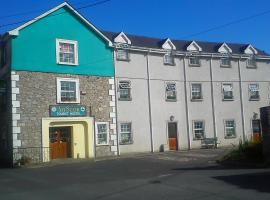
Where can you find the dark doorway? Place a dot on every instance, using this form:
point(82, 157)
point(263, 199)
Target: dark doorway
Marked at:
point(256, 130)
point(172, 135)
point(60, 142)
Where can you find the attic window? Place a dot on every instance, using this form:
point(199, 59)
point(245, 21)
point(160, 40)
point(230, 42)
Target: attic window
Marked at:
point(194, 61)
point(225, 62)
point(251, 62)
point(122, 54)
point(169, 58)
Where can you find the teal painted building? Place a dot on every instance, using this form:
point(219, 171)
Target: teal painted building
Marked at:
point(57, 60)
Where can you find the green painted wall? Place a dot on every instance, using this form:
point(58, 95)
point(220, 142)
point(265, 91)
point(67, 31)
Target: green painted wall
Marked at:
point(35, 47)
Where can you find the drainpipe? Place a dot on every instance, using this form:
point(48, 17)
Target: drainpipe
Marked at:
point(186, 103)
point(116, 107)
point(241, 100)
point(149, 103)
point(212, 99)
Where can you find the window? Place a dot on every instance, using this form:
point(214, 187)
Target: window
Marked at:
point(68, 90)
point(251, 62)
point(122, 54)
point(229, 129)
point(196, 91)
point(225, 62)
point(124, 90)
point(102, 133)
point(194, 61)
point(227, 91)
point(171, 92)
point(198, 130)
point(125, 133)
point(254, 92)
point(168, 59)
point(67, 52)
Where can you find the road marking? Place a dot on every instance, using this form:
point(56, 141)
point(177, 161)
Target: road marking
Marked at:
point(164, 175)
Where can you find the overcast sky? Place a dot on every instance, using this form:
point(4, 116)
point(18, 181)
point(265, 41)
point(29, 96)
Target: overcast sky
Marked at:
point(177, 19)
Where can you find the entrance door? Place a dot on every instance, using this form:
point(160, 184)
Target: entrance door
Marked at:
point(60, 142)
point(172, 134)
point(256, 129)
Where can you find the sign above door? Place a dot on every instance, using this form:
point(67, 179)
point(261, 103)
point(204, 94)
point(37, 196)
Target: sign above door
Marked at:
point(67, 111)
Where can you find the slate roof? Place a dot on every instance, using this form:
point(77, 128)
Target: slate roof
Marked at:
point(181, 45)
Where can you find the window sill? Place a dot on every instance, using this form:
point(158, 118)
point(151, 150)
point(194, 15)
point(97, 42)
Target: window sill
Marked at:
point(121, 99)
point(171, 100)
point(251, 67)
point(71, 64)
point(254, 99)
point(225, 66)
point(101, 145)
point(197, 139)
point(196, 100)
point(126, 60)
point(126, 143)
point(227, 99)
point(69, 102)
point(169, 64)
point(193, 65)
point(230, 137)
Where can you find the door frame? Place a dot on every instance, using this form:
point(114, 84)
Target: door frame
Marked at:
point(177, 133)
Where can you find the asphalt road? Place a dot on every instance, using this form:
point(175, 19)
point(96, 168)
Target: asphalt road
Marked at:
point(174, 175)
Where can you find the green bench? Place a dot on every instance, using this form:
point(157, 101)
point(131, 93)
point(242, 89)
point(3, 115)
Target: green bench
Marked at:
point(209, 143)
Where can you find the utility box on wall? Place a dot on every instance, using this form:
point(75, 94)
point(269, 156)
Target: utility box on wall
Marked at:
point(265, 122)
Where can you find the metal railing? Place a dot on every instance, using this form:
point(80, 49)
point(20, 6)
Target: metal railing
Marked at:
point(31, 155)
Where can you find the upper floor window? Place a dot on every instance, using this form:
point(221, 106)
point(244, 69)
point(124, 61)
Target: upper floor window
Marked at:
point(168, 59)
point(251, 62)
point(225, 62)
point(227, 91)
point(67, 52)
point(198, 130)
point(254, 94)
point(122, 54)
point(68, 90)
point(102, 133)
point(171, 92)
point(125, 133)
point(196, 91)
point(124, 90)
point(229, 129)
point(194, 61)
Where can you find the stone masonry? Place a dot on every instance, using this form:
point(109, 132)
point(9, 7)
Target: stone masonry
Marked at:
point(37, 91)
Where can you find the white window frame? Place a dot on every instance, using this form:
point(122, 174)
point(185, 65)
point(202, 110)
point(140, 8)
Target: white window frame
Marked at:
point(169, 61)
point(75, 43)
point(253, 65)
point(222, 64)
point(225, 129)
point(175, 90)
point(120, 135)
point(249, 92)
point(121, 58)
point(222, 90)
point(194, 129)
point(58, 83)
point(191, 92)
point(119, 95)
point(192, 64)
point(107, 132)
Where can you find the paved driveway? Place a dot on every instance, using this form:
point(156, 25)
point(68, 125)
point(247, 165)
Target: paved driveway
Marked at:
point(174, 175)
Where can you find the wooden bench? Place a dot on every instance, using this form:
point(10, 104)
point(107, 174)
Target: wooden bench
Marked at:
point(209, 143)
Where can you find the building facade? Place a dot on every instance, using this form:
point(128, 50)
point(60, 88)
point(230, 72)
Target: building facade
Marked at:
point(171, 93)
point(68, 90)
point(57, 80)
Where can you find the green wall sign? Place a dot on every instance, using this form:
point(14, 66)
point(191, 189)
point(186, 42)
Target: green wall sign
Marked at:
point(67, 111)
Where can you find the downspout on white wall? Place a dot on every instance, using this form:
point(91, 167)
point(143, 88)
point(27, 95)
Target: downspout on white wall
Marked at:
point(241, 100)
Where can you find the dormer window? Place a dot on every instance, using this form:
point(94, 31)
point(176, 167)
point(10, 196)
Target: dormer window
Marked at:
point(251, 62)
point(122, 54)
point(194, 61)
point(225, 62)
point(168, 59)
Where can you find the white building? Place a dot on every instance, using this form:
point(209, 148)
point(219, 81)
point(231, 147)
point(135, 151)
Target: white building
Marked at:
point(173, 93)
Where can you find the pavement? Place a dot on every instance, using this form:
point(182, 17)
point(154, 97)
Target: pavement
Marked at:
point(172, 175)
